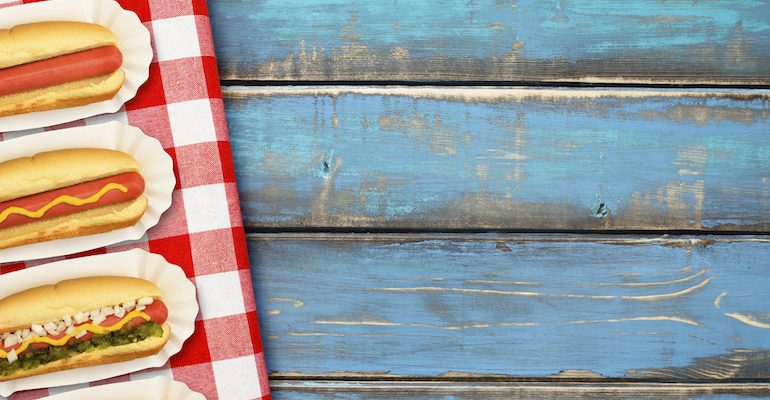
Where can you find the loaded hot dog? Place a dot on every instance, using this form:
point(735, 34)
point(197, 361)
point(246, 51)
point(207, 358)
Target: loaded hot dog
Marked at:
point(80, 322)
point(57, 64)
point(67, 193)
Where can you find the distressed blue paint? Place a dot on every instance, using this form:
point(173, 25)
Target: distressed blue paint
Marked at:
point(344, 23)
point(353, 318)
point(623, 27)
point(396, 158)
point(709, 35)
point(470, 27)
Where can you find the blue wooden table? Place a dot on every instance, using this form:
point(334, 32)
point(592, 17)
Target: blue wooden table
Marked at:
point(504, 199)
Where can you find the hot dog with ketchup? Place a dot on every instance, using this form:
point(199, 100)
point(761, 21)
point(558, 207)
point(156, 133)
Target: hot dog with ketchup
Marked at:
point(68, 193)
point(57, 64)
point(80, 322)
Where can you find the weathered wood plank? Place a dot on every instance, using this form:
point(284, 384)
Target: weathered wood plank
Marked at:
point(397, 306)
point(526, 391)
point(647, 41)
point(501, 159)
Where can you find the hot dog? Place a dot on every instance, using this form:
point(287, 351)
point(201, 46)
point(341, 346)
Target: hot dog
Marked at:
point(67, 193)
point(79, 323)
point(57, 64)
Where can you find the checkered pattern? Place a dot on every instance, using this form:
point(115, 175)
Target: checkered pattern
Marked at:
point(181, 105)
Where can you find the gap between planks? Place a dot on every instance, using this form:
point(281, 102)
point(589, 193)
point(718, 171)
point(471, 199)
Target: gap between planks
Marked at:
point(664, 239)
point(517, 390)
point(490, 92)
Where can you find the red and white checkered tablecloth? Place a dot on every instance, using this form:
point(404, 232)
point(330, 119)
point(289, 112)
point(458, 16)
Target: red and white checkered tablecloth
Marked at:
point(181, 105)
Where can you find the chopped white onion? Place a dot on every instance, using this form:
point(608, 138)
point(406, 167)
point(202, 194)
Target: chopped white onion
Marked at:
point(38, 329)
point(144, 301)
point(80, 318)
point(50, 328)
point(98, 320)
point(129, 305)
point(10, 341)
point(67, 324)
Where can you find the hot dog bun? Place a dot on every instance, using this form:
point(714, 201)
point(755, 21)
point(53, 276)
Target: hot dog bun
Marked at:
point(28, 43)
point(61, 168)
point(46, 303)
point(90, 222)
point(70, 94)
point(41, 40)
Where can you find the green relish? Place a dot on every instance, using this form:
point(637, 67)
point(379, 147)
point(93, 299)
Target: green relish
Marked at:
point(36, 357)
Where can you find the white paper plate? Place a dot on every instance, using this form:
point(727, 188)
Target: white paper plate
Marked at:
point(158, 388)
point(133, 42)
point(178, 295)
point(157, 171)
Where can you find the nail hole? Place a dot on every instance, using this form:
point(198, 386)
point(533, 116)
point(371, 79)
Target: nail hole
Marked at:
point(601, 211)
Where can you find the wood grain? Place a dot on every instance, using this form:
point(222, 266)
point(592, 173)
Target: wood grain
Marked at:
point(427, 158)
point(525, 391)
point(370, 306)
point(493, 315)
point(648, 41)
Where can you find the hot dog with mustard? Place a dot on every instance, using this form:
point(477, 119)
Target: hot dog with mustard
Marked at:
point(68, 193)
point(79, 323)
point(57, 64)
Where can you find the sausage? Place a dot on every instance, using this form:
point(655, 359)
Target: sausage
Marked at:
point(10, 210)
point(61, 69)
point(157, 311)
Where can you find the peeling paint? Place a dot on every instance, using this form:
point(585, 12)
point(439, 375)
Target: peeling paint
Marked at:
point(295, 303)
point(655, 297)
point(719, 299)
point(752, 319)
point(736, 365)
point(469, 319)
point(516, 159)
point(629, 284)
point(576, 41)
